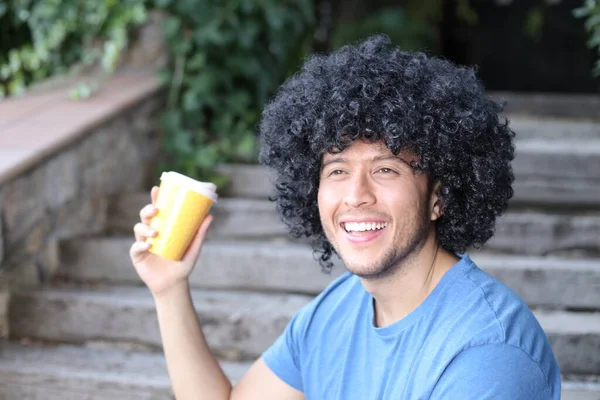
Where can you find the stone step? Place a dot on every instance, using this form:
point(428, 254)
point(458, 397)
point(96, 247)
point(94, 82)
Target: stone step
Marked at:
point(524, 232)
point(247, 181)
point(557, 172)
point(527, 128)
point(237, 325)
point(289, 267)
point(543, 233)
point(580, 388)
point(72, 373)
point(65, 372)
point(550, 105)
point(234, 217)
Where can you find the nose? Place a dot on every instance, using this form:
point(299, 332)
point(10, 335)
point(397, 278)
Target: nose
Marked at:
point(359, 192)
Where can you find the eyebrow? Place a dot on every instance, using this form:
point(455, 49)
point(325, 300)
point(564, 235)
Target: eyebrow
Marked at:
point(339, 160)
point(342, 160)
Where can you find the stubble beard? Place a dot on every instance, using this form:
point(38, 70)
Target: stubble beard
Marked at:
point(393, 259)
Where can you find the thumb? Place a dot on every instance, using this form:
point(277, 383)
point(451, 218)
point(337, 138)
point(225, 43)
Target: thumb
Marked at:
point(194, 248)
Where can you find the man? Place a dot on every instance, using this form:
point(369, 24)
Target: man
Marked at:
point(397, 163)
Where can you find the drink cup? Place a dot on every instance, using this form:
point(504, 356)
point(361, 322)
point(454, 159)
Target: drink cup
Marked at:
point(182, 205)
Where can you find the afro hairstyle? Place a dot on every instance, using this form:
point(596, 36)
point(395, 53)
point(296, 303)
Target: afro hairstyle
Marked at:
point(378, 93)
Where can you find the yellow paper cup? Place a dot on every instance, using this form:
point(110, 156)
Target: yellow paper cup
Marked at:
point(182, 205)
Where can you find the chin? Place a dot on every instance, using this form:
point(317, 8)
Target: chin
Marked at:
point(371, 270)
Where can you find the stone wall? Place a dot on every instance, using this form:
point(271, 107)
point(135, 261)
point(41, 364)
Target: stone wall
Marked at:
point(65, 195)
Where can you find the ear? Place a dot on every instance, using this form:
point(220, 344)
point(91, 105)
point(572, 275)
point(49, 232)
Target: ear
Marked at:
point(435, 204)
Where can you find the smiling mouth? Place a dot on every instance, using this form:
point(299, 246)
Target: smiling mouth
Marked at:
point(357, 227)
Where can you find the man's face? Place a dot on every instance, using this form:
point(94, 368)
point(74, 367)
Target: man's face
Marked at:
point(374, 210)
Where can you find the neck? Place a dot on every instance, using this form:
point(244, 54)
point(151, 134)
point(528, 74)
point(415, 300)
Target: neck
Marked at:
point(399, 294)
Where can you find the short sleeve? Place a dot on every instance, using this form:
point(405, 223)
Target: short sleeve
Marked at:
point(283, 357)
point(494, 371)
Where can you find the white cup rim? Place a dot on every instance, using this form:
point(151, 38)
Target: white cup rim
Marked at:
point(207, 189)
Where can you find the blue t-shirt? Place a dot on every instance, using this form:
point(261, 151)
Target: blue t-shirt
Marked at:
point(471, 339)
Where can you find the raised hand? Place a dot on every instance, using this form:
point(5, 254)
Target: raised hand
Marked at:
point(158, 273)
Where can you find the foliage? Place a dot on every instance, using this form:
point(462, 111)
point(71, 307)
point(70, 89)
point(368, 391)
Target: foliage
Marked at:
point(410, 34)
point(591, 11)
point(228, 58)
point(45, 38)
point(411, 25)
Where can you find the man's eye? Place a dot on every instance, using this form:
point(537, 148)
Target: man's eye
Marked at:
point(336, 172)
point(386, 170)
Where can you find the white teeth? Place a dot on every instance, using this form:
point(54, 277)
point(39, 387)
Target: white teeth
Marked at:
point(363, 226)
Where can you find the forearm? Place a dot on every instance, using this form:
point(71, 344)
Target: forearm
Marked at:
point(194, 371)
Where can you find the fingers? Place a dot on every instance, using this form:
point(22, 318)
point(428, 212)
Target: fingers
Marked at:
point(139, 251)
point(147, 213)
point(154, 194)
point(194, 248)
point(142, 232)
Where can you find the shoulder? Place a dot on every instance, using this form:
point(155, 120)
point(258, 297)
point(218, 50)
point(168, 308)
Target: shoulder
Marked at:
point(498, 371)
point(500, 321)
point(489, 301)
point(500, 304)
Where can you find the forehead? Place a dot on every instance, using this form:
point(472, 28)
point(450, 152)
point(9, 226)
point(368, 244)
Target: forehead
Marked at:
point(362, 150)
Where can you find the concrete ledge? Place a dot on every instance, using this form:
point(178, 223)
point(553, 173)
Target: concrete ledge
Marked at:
point(60, 160)
point(35, 126)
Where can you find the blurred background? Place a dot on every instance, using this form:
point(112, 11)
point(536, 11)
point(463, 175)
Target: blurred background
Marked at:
point(98, 97)
point(221, 60)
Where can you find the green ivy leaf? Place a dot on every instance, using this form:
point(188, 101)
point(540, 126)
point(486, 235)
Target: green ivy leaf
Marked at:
point(197, 62)
point(182, 142)
point(593, 22)
point(191, 101)
point(5, 72)
point(183, 47)
point(172, 26)
point(171, 120)
point(594, 41)
point(206, 156)
point(164, 76)
point(246, 147)
point(534, 23)
point(162, 3)
point(14, 60)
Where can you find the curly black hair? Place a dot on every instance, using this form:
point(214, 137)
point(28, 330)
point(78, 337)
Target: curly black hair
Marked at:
point(376, 92)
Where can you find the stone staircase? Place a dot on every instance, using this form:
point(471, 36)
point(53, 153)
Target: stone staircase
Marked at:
point(92, 332)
